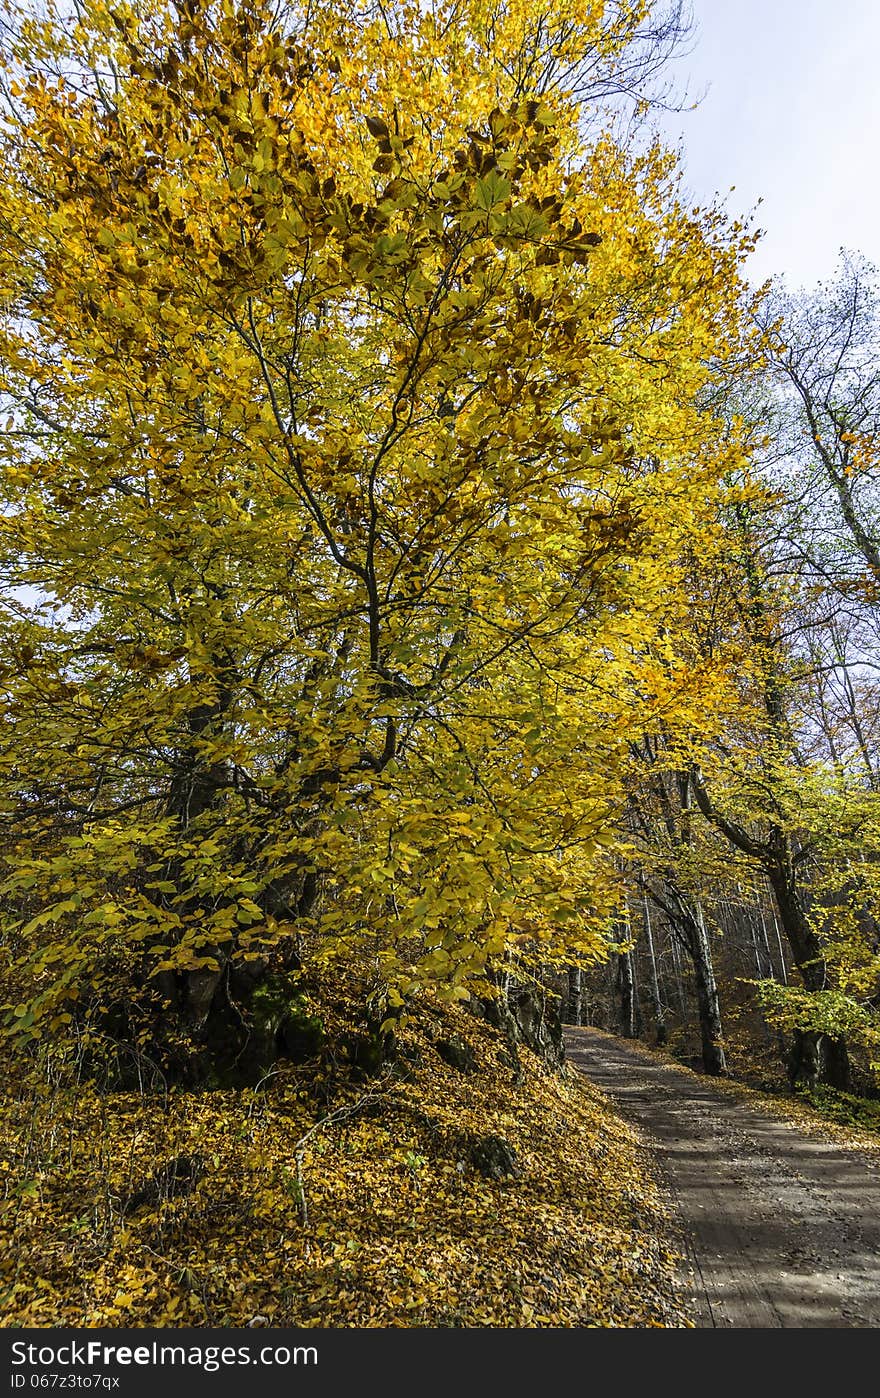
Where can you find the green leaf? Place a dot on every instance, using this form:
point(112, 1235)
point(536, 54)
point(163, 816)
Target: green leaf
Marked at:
point(491, 189)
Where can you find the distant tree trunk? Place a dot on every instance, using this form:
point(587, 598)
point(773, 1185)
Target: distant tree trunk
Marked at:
point(765, 937)
point(574, 1007)
point(626, 989)
point(657, 1009)
point(679, 981)
point(760, 970)
point(708, 1004)
point(689, 927)
point(780, 948)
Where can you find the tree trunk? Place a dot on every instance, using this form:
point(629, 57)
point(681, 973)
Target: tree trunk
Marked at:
point(574, 1007)
point(708, 1004)
point(766, 940)
point(679, 982)
point(626, 990)
point(814, 1058)
point(654, 982)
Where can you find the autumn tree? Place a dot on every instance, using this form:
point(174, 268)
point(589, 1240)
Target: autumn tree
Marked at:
point(757, 789)
point(822, 412)
point(355, 442)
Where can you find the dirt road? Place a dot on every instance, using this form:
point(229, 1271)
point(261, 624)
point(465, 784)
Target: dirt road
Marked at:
point(782, 1229)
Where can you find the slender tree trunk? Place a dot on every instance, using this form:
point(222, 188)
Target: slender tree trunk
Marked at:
point(752, 925)
point(708, 1004)
point(653, 980)
point(783, 969)
point(626, 990)
point(574, 1008)
point(679, 980)
point(688, 927)
point(814, 1057)
point(766, 940)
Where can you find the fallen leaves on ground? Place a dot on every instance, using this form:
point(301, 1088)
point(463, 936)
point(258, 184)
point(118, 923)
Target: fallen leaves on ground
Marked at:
point(209, 1208)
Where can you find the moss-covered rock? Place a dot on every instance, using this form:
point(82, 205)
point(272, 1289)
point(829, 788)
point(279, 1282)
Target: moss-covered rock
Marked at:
point(276, 1021)
point(493, 1157)
point(301, 1031)
point(457, 1053)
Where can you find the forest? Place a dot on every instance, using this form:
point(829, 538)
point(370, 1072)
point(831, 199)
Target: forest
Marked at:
point(440, 600)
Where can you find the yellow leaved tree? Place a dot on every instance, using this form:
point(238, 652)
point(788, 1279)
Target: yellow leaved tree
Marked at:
point(355, 447)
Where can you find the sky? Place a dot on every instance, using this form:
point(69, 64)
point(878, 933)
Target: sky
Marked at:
point(790, 115)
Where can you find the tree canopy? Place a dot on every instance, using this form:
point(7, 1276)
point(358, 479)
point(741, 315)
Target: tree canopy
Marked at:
point(359, 440)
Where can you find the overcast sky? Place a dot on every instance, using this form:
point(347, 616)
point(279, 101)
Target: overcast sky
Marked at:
point(791, 114)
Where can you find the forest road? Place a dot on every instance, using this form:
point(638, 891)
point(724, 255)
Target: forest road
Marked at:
point(781, 1228)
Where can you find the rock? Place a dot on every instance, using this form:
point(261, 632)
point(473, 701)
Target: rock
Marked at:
point(537, 1019)
point(365, 1052)
point(526, 1015)
point(301, 1033)
point(274, 1022)
point(457, 1053)
point(493, 1157)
